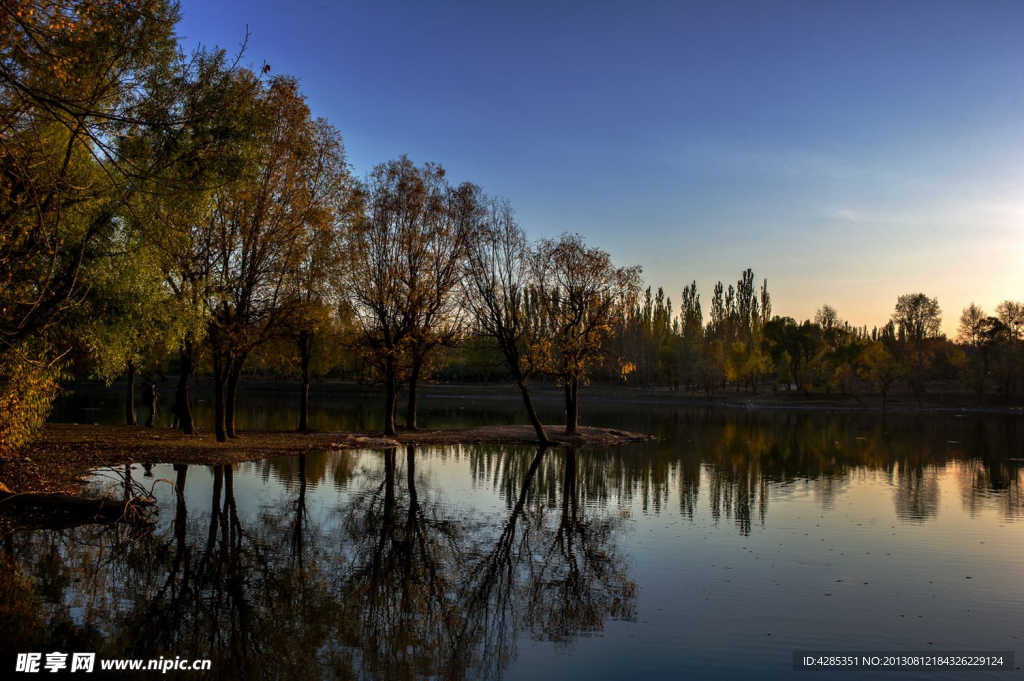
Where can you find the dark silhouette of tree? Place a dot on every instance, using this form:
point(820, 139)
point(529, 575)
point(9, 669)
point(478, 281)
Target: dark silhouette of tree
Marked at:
point(826, 317)
point(918, 319)
point(497, 286)
point(401, 267)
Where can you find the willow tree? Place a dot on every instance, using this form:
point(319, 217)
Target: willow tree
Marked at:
point(497, 284)
point(580, 294)
point(192, 163)
point(76, 76)
point(133, 319)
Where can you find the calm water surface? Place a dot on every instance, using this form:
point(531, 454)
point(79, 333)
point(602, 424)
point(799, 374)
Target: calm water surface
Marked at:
point(715, 552)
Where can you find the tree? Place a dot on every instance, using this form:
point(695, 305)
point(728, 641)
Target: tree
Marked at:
point(972, 323)
point(880, 368)
point(766, 304)
point(746, 312)
point(388, 269)
point(692, 328)
point(132, 318)
point(310, 293)
point(1010, 358)
point(580, 293)
point(735, 363)
point(826, 317)
point(801, 343)
point(716, 325)
point(77, 78)
point(437, 268)
point(710, 368)
point(1011, 314)
point(496, 285)
point(918, 318)
point(256, 229)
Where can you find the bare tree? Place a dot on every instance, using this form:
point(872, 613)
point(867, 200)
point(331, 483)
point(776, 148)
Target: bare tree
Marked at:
point(972, 325)
point(496, 285)
point(1011, 314)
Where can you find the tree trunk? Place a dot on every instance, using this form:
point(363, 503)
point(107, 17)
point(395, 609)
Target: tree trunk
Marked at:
point(219, 379)
point(572, 407)
point(234, 534)
point(298, 535)
point(181, 471)
point(391, 397)
point(410, 471)
point(304, 358)
point(127, 482)
point(231, 396)
point(567, 388)
point(410, 412)
point(569, 490)
point(129, 411)
point(531, 414)
point(180, 512)
point(389, 482)
point(182, 399)
point(60, 511)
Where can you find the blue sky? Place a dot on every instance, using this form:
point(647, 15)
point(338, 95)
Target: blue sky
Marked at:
point(848, 151)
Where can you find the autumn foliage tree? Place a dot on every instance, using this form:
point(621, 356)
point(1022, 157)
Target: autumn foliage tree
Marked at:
point(310, 285)
point(580, 294)
point(403, 257)
point(76, 78)
point(256, 228)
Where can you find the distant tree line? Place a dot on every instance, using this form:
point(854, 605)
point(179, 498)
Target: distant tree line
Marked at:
point(170, 211)
point(743, 347)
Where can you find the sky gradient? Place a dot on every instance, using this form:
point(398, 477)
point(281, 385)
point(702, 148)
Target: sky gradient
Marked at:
point(847, 151)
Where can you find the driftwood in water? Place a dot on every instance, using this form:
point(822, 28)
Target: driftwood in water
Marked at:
point(57, 511)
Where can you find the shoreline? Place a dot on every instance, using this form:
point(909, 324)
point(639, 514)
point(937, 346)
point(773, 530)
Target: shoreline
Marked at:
point(940, 397)
point(60, 458)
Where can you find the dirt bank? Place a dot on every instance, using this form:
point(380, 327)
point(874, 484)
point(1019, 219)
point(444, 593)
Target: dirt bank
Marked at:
point(61, 457)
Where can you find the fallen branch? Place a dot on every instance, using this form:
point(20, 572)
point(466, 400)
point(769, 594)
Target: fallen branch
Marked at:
point(59, 511)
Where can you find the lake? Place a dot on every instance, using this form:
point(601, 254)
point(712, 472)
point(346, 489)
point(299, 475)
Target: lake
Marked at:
point(716, 551)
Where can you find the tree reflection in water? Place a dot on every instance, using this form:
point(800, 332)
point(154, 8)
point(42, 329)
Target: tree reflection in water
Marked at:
point(391, 583)
point(363, 565)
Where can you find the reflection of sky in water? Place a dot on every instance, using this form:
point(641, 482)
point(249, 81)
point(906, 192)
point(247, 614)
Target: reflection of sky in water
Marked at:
point(747, 535)
point(872, 560)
